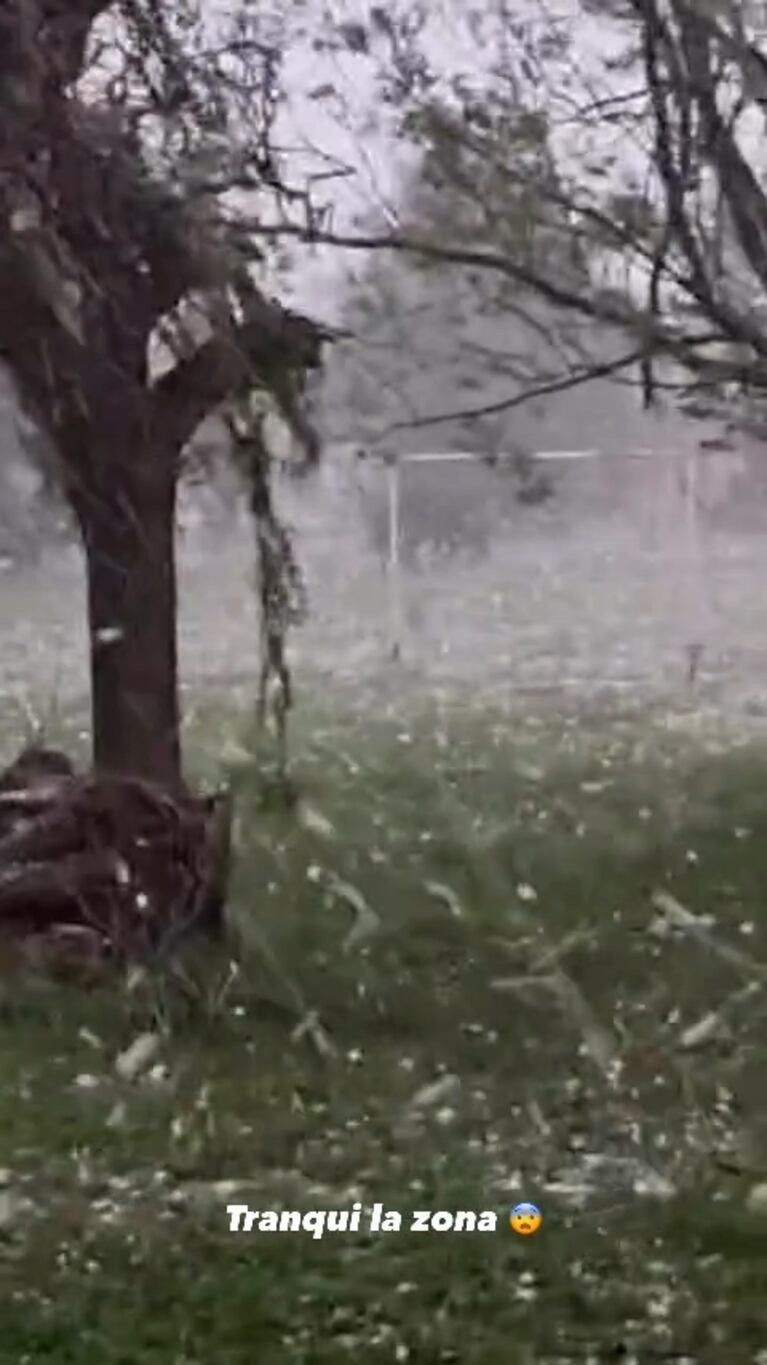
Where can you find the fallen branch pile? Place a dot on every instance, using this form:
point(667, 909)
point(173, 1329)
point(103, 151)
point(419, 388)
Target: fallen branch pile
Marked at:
point(113, 866)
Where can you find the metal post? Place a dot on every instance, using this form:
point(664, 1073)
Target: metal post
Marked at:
point(695, 646)
point(395, 603)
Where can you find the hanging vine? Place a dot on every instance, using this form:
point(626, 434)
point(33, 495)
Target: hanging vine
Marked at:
point(281, 586)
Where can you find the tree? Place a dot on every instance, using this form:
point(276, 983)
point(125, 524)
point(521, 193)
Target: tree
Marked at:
point(124, 128)
point(446, 356)
point(657, 111)
point(462, 356)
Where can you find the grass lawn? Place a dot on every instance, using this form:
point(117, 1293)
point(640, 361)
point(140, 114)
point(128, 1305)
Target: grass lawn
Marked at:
point(454, 986)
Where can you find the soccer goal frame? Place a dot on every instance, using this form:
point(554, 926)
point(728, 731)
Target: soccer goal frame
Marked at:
point(687, 462)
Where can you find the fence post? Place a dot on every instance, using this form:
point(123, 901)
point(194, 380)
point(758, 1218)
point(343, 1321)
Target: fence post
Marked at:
point(698, 601)
point(393, 563)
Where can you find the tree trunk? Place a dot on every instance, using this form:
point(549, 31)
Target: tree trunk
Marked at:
point(128, 536)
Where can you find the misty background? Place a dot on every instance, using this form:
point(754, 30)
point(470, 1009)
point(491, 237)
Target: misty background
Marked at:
point(641, 535)
point(597, 569)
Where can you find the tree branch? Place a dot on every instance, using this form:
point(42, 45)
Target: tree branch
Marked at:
point(744, 195)
point(736, 46)
point(265, 350)
point(581, 375)
point(65, 27)
point(685, 347)
point(673, 177)
point(44, 43)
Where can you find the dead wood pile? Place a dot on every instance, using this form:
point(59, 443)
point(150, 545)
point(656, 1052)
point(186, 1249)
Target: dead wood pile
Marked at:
point(116, 867)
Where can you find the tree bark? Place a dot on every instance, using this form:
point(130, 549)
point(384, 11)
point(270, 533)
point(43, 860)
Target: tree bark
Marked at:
point(128, 537)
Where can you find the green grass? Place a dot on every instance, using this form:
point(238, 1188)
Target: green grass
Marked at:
point(465, 897)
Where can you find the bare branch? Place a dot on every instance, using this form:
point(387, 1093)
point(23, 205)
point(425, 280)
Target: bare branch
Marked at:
point(687, 347)
point(578, 376)
point(675, 172)
point(744, 195)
